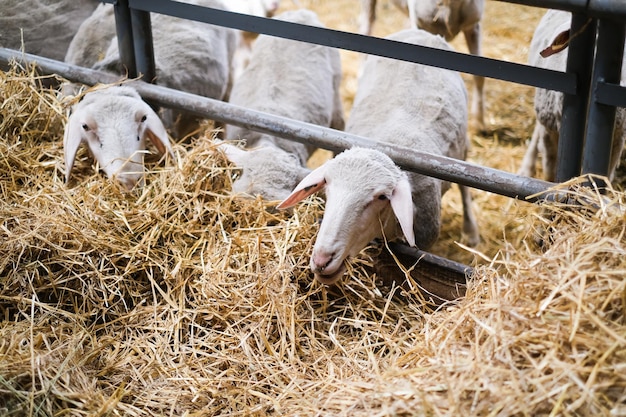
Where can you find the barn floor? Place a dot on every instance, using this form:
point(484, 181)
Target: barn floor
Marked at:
point(181, 299)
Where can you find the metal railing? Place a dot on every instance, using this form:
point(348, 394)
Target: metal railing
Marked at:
point(590, 84)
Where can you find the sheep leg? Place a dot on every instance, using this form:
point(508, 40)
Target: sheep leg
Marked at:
point(470, 225)
point(548, 145)
point(530, 157)
point(367, 16)
point(477, 110)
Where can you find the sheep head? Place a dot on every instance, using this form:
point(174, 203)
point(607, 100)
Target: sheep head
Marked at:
point(114, 123)
point(266, 170)
point(364, 190)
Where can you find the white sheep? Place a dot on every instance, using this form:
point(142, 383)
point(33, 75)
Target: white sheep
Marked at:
point(114, 123)
point(549, 103)
point(92, 38)
point(259, 8)
point(301, 82)
point(446, 18)
point(190, 56)
point(46, 27)
point(267, 170)
point(406, 104)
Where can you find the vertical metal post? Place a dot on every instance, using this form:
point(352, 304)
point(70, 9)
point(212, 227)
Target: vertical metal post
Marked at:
point(124, 29)
point(601, 117)
point(579, 61)
point(143, 46)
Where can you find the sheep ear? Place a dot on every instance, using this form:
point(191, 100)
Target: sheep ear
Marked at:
point(402, 206)
point(233, 153)
point(157, 134)
point(72, 139)
point(311, 184)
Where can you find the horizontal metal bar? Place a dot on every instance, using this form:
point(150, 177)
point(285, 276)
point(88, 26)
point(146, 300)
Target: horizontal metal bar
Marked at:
point(611, 9)
point(567, 5)
point(478, 65)
point(449, 169)
point(610, 94)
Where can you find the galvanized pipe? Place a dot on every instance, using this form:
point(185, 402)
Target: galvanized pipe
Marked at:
point(462, 172)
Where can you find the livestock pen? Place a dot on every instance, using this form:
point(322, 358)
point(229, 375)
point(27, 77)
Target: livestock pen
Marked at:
point(181, 298)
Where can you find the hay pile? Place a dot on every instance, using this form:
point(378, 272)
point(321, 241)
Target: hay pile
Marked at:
point(182, 299)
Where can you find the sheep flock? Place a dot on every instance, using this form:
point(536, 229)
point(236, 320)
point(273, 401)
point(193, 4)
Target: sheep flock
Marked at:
point(181, 297)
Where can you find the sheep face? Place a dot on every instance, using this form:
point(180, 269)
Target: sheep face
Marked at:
point(114, 125)
point(364, 189)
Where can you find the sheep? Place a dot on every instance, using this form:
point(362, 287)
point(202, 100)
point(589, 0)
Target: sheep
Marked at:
point(410, 105)
point(302, 83)
point(114, 123)
point(267, 170)
point(263, 8)
point(190, 56)
point(367, 16)
point(446, 18)
point(549, 104)
point(93, 37)
point(45, 27)
point(260, 8)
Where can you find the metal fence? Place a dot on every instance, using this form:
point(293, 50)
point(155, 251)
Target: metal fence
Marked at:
point(590, 84)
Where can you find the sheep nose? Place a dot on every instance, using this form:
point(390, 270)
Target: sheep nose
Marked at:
point(320, 261)
point(127, 181)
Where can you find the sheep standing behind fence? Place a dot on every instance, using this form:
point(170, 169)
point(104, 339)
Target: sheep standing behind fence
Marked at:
point(259, 8)
point(416, 106)
point(549, 103)
point(446, 18)
point(287, 78)
point(189, 56)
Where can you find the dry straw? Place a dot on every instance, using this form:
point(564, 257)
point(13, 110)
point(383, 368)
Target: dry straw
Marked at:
point(182, 299)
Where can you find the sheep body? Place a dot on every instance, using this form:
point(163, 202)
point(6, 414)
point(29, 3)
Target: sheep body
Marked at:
point(301, 82)
point(114, 123)
point(189, 56)
point(446, 18)
point(405, 104)
point(48, 26)
point(93, 37)
point(262, 8)
point(549, 104)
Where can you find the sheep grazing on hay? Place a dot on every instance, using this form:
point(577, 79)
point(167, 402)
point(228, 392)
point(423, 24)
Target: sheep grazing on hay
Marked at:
point(415, 106)
point(203, 66)
point(114, 123)
point(301, 83)
point(186, 301)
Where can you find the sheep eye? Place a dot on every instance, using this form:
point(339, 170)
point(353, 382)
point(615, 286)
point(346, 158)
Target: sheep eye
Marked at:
point(382, 197)
point(85, 127)
point(143, 119)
